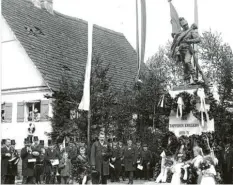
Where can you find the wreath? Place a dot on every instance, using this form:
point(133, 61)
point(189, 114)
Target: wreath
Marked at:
point(31, 129)
point(209, 100)
point(189, 103)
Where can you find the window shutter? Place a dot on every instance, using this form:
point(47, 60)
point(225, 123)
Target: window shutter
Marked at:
point(20, 112)
point(44, 110)
point(8, 112)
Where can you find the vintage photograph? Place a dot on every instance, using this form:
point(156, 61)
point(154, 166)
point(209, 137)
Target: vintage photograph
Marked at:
point(116, 92)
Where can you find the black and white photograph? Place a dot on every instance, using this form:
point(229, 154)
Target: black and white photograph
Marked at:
point(116, 92)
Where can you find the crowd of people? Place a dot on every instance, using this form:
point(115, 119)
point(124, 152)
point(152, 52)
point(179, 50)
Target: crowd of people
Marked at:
point(109, 160)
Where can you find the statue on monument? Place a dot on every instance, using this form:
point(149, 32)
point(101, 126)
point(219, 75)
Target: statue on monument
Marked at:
point(183, 50)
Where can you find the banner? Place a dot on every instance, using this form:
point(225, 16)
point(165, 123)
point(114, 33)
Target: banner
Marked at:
point(174, 19)
point(140, 32)
point(85, 102)
point(188, 127)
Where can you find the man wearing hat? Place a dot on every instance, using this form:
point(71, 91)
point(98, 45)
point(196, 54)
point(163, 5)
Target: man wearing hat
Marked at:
point(146, 161)
point(138, 172)
point(6, 155)
point(28, 162)
point(37, 153)
point(3, 143)
point(130, 159)
point(51, 154)
point(13, 164)
point(115, 160)
point(121, 149)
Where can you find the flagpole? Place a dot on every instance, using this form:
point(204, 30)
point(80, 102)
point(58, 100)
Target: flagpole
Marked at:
point(88, 132)
point(137, 40)
point(196, 22)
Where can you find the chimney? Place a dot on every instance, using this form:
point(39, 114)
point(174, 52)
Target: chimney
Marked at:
point(46, 4)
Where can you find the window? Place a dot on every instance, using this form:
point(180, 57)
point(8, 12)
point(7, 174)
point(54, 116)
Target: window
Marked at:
point(6, 112)
point(33, 110)
point(3, 112)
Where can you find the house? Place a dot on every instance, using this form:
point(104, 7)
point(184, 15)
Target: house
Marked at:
point(38, 44)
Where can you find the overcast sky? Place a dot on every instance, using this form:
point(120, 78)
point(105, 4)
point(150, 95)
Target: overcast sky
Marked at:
point(119, 15)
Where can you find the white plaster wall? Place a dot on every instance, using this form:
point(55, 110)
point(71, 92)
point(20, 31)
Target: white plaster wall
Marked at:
point(18, 131)
point(17, 68)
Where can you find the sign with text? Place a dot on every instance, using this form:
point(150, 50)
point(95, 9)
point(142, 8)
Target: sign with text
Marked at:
point(189, 126)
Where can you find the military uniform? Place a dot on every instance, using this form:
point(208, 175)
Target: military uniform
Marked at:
point(182, 47)
point(122, 172)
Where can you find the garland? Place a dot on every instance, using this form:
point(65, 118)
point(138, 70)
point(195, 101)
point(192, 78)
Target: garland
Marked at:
point(31, 129)
point(167, 104)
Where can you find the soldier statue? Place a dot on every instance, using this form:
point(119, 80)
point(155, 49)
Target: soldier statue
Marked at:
point(183, 50)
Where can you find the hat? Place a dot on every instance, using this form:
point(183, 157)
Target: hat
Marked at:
point(82, 148)
point(138, 140)
point(183, 22)
point(114, 140)
point(145, 145)
point(29, 139)
point(26, 141)
point(42, 142)
point(12, 142)
point(49, 142)
point(3, 141)
point(36, 138)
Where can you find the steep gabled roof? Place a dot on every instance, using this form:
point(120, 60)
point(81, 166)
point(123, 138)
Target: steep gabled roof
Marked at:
point(55, 42)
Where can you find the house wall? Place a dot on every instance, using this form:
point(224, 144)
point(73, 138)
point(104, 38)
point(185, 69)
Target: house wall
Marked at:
point(19, 130)
point(20, 82)
point(18, 70)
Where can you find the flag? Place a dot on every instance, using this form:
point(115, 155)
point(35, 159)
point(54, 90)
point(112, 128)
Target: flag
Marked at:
point(85, 102)
point(140, 32)
point(174, 19)
point(195, 12)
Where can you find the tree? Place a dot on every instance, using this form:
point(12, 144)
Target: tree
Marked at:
point(67, 120)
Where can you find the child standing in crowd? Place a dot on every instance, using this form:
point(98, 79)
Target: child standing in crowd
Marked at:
point(208, 171)
point(65, 166)
point(82, 167)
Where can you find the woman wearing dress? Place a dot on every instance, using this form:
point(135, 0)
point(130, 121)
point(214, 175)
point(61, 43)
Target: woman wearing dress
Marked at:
point(209, 172)
point(177, 170)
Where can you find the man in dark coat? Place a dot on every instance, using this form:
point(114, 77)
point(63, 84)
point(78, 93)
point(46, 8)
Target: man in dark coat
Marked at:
point(122, 148)
point(50, 171)
point(138, 172)
point(227, 162)
point(115, 161)
point(13, 164)
point(6, 154)
point(28, 162)
point(38, 170)
point(100, 155)
point(130, 159)
point(146, 161)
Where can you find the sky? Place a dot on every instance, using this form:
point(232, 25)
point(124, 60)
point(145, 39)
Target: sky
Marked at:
point(120, 16)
